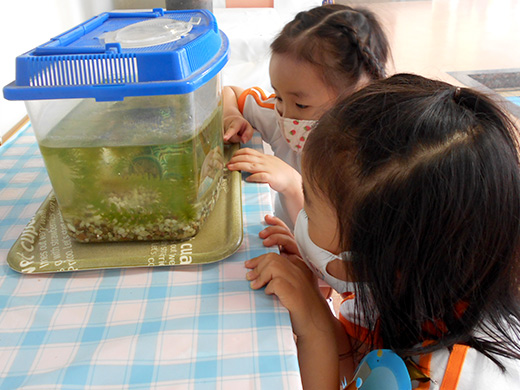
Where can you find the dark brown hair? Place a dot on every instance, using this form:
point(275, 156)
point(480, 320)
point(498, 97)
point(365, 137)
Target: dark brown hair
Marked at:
point(343, 42)
point(425, 181)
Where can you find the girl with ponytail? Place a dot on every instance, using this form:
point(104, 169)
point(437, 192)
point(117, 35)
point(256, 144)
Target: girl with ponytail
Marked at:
point(325, 53)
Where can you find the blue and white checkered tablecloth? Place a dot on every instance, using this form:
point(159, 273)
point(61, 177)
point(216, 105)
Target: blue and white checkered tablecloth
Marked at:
point(193, 327)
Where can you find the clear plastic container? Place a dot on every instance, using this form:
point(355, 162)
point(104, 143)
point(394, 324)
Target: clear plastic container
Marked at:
point(130, 159)
point(146, 168)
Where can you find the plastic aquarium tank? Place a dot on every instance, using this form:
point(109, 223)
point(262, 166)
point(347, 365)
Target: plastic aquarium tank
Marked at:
point(127, 112)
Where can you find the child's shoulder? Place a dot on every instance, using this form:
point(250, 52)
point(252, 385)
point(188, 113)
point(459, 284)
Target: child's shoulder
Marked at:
point(258, 96)
point(259, 109)
point(465, 367)
point(471, 370)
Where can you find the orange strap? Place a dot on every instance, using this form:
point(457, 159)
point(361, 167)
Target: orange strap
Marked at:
point(454, 367)
point(425, 365)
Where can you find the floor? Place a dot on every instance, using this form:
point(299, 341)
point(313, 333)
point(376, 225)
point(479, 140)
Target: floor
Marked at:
point(452, 40)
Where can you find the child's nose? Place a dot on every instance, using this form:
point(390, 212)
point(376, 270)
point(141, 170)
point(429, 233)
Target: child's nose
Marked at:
point(279, 107)
point(285, 111)
point(290, 114)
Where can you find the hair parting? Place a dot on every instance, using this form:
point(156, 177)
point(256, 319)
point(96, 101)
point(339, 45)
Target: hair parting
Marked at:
point(347, 44)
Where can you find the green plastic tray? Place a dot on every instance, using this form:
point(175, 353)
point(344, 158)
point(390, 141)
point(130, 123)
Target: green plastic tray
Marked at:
point(44, 245)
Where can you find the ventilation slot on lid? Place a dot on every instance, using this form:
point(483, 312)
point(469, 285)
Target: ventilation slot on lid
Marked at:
point(83, 70)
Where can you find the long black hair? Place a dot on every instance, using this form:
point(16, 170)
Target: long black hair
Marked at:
point(425, 180)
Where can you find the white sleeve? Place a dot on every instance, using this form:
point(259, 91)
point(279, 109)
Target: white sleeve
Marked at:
point(258, 110)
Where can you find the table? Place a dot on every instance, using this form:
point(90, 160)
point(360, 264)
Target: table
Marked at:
point(189, 327)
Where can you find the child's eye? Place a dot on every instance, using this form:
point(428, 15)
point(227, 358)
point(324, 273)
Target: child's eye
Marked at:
point(278, 98)
point(301, 106)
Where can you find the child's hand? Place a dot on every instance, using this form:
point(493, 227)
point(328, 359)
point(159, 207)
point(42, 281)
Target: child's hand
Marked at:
point(265, 168)
point(312, 320)
point(279, 234)
point(296, 287)
point(237, 129)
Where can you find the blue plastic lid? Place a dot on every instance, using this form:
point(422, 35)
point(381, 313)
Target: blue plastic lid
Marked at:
point(115, 55)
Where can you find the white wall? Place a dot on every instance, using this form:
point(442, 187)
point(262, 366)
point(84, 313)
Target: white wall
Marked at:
point(25, 24)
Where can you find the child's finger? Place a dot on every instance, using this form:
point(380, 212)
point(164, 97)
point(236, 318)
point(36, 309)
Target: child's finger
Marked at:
point(277, 286)
point(270, 230)
point(275, 221)
point(244, 159)
point(247, 135)
point(237, 130)
point(258, 177)
point(262, 269)
point(242, 166)
point(236, 166)
point(257, 261)
point(251, 275)
point(260, 279)
point(285, 243)
point(245, 162)
point(235, 139)
point(251, 263)
point(230, 132)
point(247, 151)
point(273, 233)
